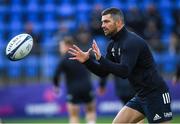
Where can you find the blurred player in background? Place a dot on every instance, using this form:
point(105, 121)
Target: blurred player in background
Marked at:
point(78, 83)
point(129, 56)
point(123, 89)
point(176, 77)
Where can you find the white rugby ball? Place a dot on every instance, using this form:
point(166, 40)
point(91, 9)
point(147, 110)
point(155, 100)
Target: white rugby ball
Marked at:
point(19, 47)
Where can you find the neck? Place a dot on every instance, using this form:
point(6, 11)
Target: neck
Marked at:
point(119, 34)
point(119, 28)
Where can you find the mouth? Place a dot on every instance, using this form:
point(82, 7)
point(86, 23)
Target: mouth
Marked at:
point(105, 30)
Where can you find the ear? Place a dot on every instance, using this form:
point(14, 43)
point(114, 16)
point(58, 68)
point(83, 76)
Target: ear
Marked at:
point(119, 23)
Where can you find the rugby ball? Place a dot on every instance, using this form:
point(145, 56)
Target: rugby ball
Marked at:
point(19, 47)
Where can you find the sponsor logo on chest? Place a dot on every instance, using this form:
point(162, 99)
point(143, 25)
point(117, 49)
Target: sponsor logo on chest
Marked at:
point(113, 51)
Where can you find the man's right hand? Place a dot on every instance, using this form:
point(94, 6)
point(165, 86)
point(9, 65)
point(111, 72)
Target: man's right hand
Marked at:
point(78, 54)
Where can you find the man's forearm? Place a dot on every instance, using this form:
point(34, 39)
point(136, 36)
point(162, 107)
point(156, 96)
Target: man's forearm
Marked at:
point(96, 68)
point(115, 68)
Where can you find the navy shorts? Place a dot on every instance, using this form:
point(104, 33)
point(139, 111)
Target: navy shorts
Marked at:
point(80, 97)
point(156, 106)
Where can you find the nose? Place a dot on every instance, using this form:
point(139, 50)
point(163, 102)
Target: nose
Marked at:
point(102, 25)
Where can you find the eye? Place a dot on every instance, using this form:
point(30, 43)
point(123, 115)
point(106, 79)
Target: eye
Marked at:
point(106, 21)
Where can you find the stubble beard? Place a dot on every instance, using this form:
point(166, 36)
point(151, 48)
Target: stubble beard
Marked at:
point(110, 34)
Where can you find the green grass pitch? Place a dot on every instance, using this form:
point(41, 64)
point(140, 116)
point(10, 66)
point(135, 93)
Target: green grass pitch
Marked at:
point(63, 120)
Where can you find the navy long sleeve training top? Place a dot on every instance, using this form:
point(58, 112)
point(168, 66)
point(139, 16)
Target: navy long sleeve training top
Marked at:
point(128, 56)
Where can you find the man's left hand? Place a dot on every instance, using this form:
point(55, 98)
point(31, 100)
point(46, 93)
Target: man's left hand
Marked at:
point(96, 50)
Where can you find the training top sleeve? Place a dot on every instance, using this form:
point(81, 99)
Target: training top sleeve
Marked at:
point(128, 58)
point(96, 68)
point(177, 74)
point(57, 74)
point(108, 54)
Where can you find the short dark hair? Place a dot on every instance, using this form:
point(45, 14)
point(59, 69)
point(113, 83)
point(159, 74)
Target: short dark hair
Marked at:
point(115, 13)
point(68, 40)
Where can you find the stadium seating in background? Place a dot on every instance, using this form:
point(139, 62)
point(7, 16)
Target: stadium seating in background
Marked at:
point(48, 64)
point(169, 63)
point(2, 65)
point(48, 15)
point(13, 69)
point(177, 4)
point(102, 43)
point(32, 66)
point(65, 10)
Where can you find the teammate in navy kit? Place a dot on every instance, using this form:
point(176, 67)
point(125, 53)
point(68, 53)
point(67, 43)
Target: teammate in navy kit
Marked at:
point(176, 76)
point(128, 56)
point(120, 86)
point(78, 84)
